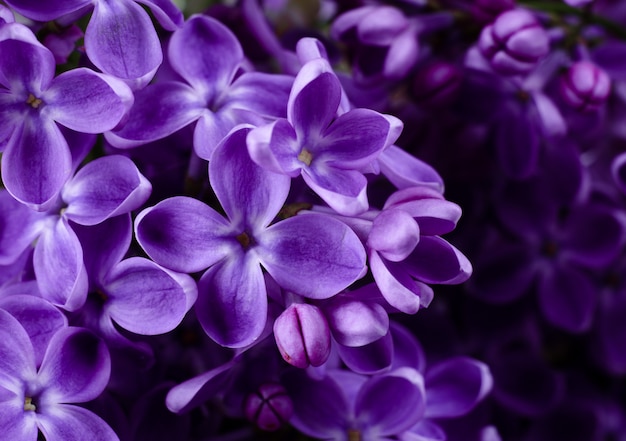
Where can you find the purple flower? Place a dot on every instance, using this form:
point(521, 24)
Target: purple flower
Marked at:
point(212, 91)
point(74, 369)
point(585, 86)
point(186, 235)
point(34, 102)
point(269, 407)
point(328, 150)
point(514, 42)
point(120, 38)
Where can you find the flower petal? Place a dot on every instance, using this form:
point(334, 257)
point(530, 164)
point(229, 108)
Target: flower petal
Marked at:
point(405, 170)
point(36, 163)
point(90, 203)
point(64, 422)
point(436, 261)
point(75, 368)
point(370, 359)
point(265, 94)
point(85, 101)
point(145, 299)
point(232, 301)
point(36, 10)
point(18, 228)
point(343, 190)
point(356, 323)
point(17, 357)
point(120, 40)
point(183, 234)
point(166, 12)
point(26, 67)
point(319, 247)
point(58, 262)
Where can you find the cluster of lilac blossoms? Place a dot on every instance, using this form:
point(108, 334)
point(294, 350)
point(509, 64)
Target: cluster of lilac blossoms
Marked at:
point(228, 222)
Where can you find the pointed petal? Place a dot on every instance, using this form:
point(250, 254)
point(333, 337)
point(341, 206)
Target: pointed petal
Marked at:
point(145, 299)
point(58, 262)
point(36, 163)
point(436, 261)
point(40, 319)
point(183, 234)
point(64, 422)
point(120, 40)
point(75, 368)
point(84, 101)
point(89, 202)
point(455, 386)
point(185, 396)
point(250, 195)
point(158, 111)
point(391, 403)
point(208, 72)
point(405, 170)
point(17, 357)
point(232, 301)
point(320, 247)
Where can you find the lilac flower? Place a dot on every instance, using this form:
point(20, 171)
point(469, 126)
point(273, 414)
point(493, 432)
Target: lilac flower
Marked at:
point(326, 149)
point(120, 38)
point(186, 235)
point(585, 86)
point(34, 103)
point(74, 369)
point(269, 407)
point(212, 91)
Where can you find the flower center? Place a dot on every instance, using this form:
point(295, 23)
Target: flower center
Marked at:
point(305, 156)
point(34, 101)
point(354, 435)
point(244, 240)
point(28, 404)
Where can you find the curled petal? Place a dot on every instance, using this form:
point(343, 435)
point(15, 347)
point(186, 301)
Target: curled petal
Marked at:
point(355, 323)
point(58, 262)
point(121, 40)
point(90, 203)
point(394, 234)
point(275, 147)
point(319, 247)
point(146, 299)
point(396, 286)
point(166, 12)
point(436, 261)
point(75, 368)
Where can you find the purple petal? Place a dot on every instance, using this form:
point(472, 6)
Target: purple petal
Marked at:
point(275, 147)
point(121, 40)
point(392, 403)
point(349, 20)
point(75, 368)
point(567, 298)
point(343, 190)
point(436, 261)
point(211, 129)
point(17, 357)
point(58, 262)
point(312, 70)
point(18, 228)
point(356, 323)
point(381, 26)
point(407, 351)
point(232, 301)
point(158, 111)
point(197, 390)
point(315, 105)
point(321, 410)
point(455, 386)
point(166, 12)
point(395, 284)
point(86, 101)
point(46, 11)
point(104, 245)
point(145, 299)
point(12, 113)
point(370, 359)
point(183, 234)
point(208, 72)
point(37, 154)
point(323, 248)
point(250, 195)
point(89, 202)
point(405, 170)
point(402, 55)
point(26, 67)
point(39, 318)
point(16, 424)
point(265, 94)
point(64, 422)
point(394, 234)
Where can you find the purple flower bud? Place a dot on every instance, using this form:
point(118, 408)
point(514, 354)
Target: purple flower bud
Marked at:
point(269, 407)
point(585, 86)
point(436, 84)
point(302, 335)
point(514, 43)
